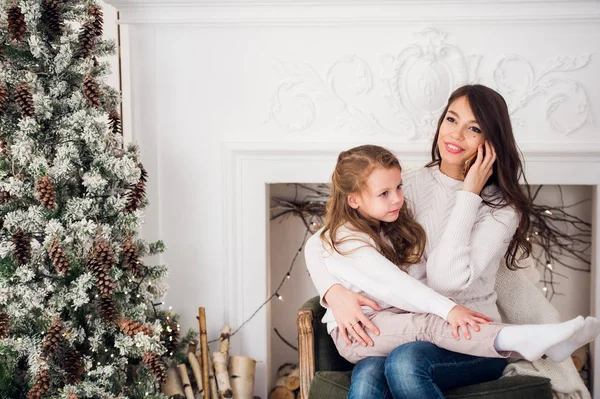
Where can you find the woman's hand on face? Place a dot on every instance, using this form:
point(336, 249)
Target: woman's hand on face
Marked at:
point(463, 317)
point(346, 307)
point(481, 170)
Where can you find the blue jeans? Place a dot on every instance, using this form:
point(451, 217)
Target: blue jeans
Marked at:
point(420, 370)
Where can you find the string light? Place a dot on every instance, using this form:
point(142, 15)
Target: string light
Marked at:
point(276, 294)
point(558, 240)
point(314, 209)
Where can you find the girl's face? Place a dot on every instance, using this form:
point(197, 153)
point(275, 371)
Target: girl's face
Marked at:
point(383, 197)
point(460, 135)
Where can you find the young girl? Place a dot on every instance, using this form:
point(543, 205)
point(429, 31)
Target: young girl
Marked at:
point(370, 244)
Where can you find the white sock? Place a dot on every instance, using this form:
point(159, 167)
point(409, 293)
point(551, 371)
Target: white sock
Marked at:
point(534, 340)
point(588, 333)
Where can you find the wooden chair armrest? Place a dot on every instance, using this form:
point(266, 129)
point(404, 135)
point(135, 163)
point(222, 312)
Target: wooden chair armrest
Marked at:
point(306, 350)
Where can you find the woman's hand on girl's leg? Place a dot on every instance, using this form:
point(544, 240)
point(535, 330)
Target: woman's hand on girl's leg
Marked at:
point(349, 316)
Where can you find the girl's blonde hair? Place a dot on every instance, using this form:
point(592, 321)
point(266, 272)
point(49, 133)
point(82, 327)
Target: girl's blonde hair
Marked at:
point(350, 175)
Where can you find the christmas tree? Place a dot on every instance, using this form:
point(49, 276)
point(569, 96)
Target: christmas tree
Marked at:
point(78, 315)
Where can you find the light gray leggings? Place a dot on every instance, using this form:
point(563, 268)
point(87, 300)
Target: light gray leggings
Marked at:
point(398, 327)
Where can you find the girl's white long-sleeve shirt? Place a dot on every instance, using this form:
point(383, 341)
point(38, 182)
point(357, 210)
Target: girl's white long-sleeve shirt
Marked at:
point(364, 270)
point(466, 241)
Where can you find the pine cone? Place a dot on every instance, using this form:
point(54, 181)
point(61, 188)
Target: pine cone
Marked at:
point(114, 120)
point(170, 336)
point(72, 363)
point(53, 338)
point(131, 327)
point(91, 91)
point(156, 366)
point(131, 257)
point(97, 20)
point(24, 99)
point(108, 311)
point(100, 263)
point(71, 395)
point(59, 259)
point(2, 147)
point(2, 55)
point(52, 17)
point(138, 193)
point(22, 247)
point(41, 387)
point(3, 325)
point(16, 24)
point(3, 98)
point(45, 192)
point(87, 40)
point(4, 197)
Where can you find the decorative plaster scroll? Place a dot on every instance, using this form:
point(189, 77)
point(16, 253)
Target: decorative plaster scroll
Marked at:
point(294, 104)
point(567, 107)
point(422, 78)
point(416, 84)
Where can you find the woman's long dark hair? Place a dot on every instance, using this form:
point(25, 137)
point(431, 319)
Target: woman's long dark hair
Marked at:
point(491, 113)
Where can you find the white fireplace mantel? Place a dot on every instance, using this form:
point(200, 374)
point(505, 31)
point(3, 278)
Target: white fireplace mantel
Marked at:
point(352, 12)
point(230, 96)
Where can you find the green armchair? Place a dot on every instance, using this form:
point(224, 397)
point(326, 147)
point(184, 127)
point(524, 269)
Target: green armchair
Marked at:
point(324, 374)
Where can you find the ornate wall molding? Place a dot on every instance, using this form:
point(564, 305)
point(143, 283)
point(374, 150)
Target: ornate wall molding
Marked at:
point(567, 108)
point(416, 84)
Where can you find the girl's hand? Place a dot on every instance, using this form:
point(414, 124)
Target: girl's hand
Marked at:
point(481, 170)
point(461, 316)
point(346, 307)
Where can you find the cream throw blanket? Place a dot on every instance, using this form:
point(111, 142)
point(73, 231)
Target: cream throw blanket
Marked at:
point(521, 302)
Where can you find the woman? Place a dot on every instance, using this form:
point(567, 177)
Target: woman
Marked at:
point(467, 237)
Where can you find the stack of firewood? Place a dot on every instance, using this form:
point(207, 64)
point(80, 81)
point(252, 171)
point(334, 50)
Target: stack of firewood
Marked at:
point(213, 377)
point(287, 385)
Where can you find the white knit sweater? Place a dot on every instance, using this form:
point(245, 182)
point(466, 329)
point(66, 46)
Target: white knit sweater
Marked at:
point(466, 242)
point(364, 270)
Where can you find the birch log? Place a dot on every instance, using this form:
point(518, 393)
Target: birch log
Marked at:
point(205, 364)
point(192, 347)
point(281, 393)
point(222, 376)
point(241, 373)
point(288, 375)
point(185, 379)
point(172, 386)
point(224, 340)
point(579, 357)
point(197, 373)
point(292, 381)
point(212, 381)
